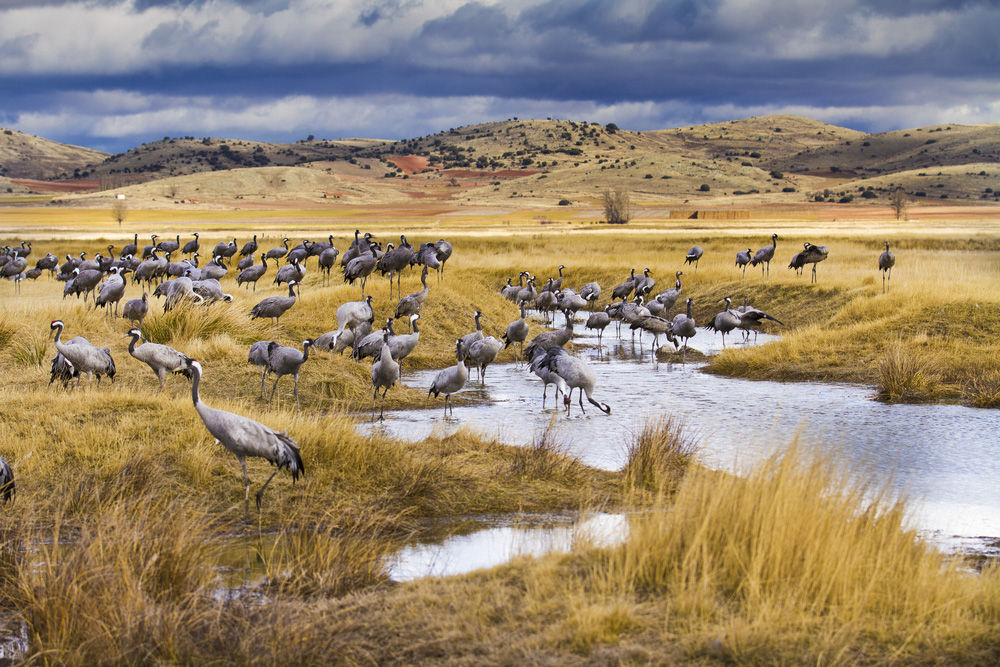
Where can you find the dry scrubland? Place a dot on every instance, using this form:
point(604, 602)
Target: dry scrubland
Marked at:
point(126, 507)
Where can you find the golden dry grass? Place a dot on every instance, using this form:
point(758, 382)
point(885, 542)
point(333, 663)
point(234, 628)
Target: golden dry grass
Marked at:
point(132, 500)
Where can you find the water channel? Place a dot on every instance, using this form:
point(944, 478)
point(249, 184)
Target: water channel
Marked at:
point(945, 459)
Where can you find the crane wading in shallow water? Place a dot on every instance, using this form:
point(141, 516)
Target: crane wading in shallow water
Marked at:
point(245, 437)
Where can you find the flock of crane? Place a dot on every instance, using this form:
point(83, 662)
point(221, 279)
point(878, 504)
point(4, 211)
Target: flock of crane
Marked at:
point(103, 278)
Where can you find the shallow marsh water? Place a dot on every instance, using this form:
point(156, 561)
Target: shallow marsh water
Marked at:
point(944, 458)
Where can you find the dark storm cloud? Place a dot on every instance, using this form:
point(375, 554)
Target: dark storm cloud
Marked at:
point(643, 64)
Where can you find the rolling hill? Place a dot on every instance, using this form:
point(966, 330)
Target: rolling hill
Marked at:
point(779, 158)
point(27, 156)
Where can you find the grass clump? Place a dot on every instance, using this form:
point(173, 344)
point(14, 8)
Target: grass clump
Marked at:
point(659, 455)
point(906, 375)
point(983, 390)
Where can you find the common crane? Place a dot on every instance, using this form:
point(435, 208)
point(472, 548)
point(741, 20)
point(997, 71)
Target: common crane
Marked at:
point(274, 307)
point(161, 359)
point(245, 437)
point(135, 310)
point(517, 332)
point(251, 274)
point(814, 254)
point(84, 356)
point(546, 375)
point(885, 263)
point(283, 361)
point(482, 353)
point(577, 374)
point(451, 379)
point(385, 374)
point(259, 354)
point(694, 256)
point(7, 487)
point(683, 324)
point(765, 255)
point(277, 253)
point(743, 258)
point(412, 303)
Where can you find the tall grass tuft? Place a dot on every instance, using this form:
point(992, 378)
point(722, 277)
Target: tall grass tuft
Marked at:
point(134, 579)
point(329, 558)
point(547, 456)
point(659, 455)
point(983, 389)
point(191, 322)
point(906, 375)
point(799, 551)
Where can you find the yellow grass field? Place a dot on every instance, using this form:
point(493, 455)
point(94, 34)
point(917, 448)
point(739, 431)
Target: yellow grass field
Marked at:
point(126, 506)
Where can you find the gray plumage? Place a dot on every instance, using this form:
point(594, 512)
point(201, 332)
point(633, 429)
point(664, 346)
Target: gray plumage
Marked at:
point(412, 303)
point(249, 248)
point(743, 258)
point(7, 487)
point(351, 338)
point(725, 321)
point(683, 324)
point(131, 248)
point(402, 345)
point(751, 318)
point(482, 353)
point(245, 437)
point(178, 291)
point(260, 352)
point(798, 260)
point(644, 284)
point(571, 301)
point(191, 247)
point(213, 269)
point(277, 253)
point(283, 361)
point(444, 251)
point(361, 266)
point(528, 294)
point(554, 284)
point(591, 292)
point(623, 289)
point(669, 296)
point(468, 339)
point(885, 263)
point(657, 326)
point(86, 282)
point(253, 273)
point(135, 310)
point(694, 256)
point(598, 320)
point(765, 255)
point(169, 246)
point(274, 307)
point(814, 254)
point(394, 261)
point(547, 375)
point(85, 357)
point(111, 292)
point(510, 291)
point(550, 339)
point(577, 374)
point(451, 379)
point(161, 359)
point(294, 270)
point(371, 345)
point(210, 290)
point(517, 332)
point(385, 374)
point(546, 302)
point(327, 260)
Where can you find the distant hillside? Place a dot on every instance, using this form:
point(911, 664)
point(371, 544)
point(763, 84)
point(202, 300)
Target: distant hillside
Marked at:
point(900, 150)
point(778, 158)
point(187, 155)
point(27, 156)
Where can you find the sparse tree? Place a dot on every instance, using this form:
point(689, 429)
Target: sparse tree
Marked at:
point(898, 202)
point(617, 206)
point(119, 211)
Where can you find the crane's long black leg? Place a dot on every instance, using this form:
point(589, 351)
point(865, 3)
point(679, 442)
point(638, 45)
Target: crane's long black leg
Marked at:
point(246, 488)
point(260, 492)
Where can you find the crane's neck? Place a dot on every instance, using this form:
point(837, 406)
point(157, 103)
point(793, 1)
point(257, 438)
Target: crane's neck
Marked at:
point(305, 350)
point(413, 324)
point(291, 290)
point(131, 345)
point(58, 338)
point(479, 326)
point(195, 381)
point(689, 308)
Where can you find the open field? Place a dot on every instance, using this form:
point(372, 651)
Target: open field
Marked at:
point(127, 503)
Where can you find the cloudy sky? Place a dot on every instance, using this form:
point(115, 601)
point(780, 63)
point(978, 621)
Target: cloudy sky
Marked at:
point(112, 74)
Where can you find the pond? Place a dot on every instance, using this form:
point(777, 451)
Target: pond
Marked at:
point(944, 458)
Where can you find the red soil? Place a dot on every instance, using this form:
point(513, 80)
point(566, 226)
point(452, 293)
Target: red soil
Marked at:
point(81, 185)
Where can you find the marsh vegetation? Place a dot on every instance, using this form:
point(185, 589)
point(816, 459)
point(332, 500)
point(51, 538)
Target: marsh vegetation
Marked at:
point(125, 506)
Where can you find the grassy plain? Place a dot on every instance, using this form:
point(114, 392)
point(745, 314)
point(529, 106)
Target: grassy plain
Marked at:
point(126, 507)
